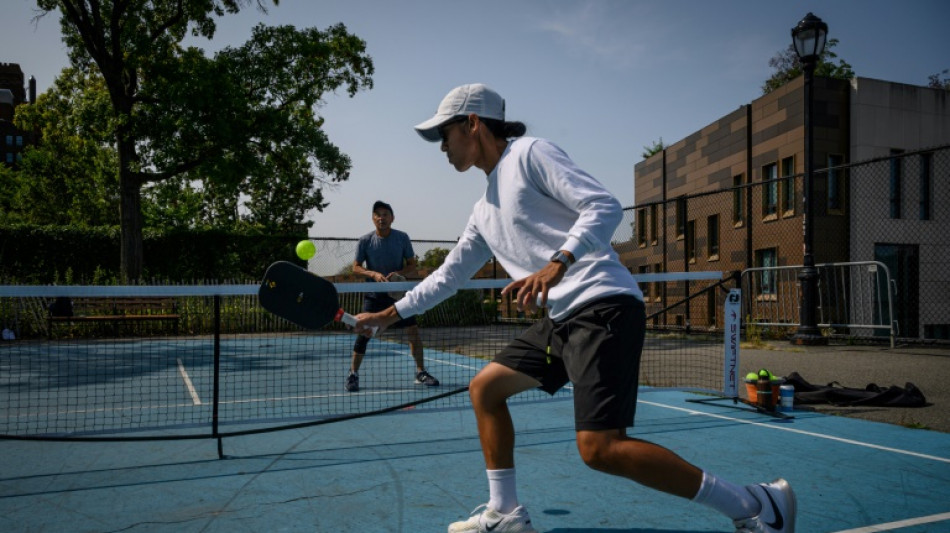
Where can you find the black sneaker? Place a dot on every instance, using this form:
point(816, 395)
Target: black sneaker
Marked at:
point(425, 378)
point(352, 382)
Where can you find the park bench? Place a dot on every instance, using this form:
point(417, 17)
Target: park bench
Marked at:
point(117, 309)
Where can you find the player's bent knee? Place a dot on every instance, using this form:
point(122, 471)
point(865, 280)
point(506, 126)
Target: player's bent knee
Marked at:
point(596, 449)
point(494, 384)
point(481, 392)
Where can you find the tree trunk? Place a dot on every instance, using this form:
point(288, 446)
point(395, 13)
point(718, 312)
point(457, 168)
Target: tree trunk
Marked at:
point(130, 211)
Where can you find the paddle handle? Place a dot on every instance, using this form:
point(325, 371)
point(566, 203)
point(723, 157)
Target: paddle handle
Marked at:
point(350, 320)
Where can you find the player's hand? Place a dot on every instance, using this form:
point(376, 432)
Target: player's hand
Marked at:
point(532, 291)
point(372, 324)
point(368, 325)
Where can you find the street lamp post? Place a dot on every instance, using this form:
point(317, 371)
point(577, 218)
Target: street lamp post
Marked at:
point(808, 38)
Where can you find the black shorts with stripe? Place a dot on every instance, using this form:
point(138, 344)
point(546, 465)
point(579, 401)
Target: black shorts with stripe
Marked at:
point(597, 349)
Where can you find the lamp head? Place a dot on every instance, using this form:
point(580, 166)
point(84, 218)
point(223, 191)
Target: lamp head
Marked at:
point(809, 38)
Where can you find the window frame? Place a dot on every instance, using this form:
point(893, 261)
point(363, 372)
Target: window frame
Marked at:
point(766, 288)
point(691, 254)
point(712, 237)
point(787, 187)
point(738, 200)
point(835, 184)
point(770, 200)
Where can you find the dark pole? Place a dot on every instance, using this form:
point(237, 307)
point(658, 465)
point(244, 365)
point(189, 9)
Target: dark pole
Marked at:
point(808, 332)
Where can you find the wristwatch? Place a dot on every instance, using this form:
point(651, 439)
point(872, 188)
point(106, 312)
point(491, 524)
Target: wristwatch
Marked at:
point(562, 257)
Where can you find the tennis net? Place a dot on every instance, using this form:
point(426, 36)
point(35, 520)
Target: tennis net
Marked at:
point(155, 362)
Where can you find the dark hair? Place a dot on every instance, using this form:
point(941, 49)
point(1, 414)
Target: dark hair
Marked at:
point(504, 130)
point(381, 204)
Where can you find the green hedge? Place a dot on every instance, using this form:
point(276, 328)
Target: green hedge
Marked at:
point(72, 255)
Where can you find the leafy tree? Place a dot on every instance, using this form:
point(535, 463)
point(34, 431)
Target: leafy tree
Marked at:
point(657, 147)
point(934, 81)
point(69, 177)
point(433, 258)
point(241, 121)
point(788, 67)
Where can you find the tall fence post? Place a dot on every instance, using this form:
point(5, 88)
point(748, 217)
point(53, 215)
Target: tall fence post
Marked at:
point(217, 376)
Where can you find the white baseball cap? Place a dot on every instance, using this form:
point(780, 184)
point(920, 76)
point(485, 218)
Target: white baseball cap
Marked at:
point(461, 101)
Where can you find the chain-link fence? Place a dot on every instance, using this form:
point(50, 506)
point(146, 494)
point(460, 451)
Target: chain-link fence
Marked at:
point(893, 210)
point(335, 256)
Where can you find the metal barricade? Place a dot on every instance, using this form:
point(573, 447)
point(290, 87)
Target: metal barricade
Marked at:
point(854, 298)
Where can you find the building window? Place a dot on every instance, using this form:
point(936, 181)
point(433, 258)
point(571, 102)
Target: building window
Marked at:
point(788, 185)
point(648, 287)
point(738, 201)
point(19, 140)
point(712, 237)
point(680, 217)
point(769, 190)
point(896, 184)
point(9, 140)
point(641, 227)
point(835, 183)
point(766, 258)
point(657, 285)
point(10, 157)
point(926, 186)
point(654, 217)
point(691, 241)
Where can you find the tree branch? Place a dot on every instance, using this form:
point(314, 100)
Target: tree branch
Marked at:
point(172, 20)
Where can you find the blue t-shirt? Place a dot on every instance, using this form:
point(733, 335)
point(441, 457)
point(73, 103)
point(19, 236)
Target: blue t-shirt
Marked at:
point(384, 254)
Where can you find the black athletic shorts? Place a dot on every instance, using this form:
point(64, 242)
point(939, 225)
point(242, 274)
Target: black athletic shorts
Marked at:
point(597, 348)
point(380, 302)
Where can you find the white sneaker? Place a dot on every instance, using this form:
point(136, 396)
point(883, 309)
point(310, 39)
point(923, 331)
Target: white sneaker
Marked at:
point(484, 520)
point(778, 509)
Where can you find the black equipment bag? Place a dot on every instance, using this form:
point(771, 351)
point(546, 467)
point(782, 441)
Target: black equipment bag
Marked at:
point(835, 393)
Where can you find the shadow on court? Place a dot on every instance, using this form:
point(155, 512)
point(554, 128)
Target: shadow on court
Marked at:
point(417, 471)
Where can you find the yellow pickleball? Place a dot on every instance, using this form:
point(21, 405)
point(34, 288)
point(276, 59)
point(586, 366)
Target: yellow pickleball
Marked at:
point(306, 249)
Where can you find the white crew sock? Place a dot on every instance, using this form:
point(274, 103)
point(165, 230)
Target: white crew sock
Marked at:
point(729, 499)
point(503, 496)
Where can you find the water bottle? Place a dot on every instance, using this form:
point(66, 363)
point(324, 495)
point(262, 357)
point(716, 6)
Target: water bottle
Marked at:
point(786, 394)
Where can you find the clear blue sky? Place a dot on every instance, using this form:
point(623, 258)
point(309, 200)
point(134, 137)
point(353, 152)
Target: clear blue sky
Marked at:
point(602, 79)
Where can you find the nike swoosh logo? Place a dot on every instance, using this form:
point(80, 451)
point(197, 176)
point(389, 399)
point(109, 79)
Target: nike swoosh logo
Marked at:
point(491, 527)
point(779, 521)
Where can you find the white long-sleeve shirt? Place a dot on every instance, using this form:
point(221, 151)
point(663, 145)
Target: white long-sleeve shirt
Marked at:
point(537, 202)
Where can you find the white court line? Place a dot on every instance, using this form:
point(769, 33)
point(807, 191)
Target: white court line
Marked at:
point(899, 524)
point(191, 388)
point(802, 432)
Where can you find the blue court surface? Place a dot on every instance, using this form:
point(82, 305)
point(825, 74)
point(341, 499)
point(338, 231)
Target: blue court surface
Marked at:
point(419, 470)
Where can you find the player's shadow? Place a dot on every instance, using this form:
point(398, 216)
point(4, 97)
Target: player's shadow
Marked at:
point(613, 530)
point(561, 512)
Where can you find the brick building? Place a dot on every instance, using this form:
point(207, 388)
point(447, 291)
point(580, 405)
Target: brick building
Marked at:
point(730, 196)
point(13, 94)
